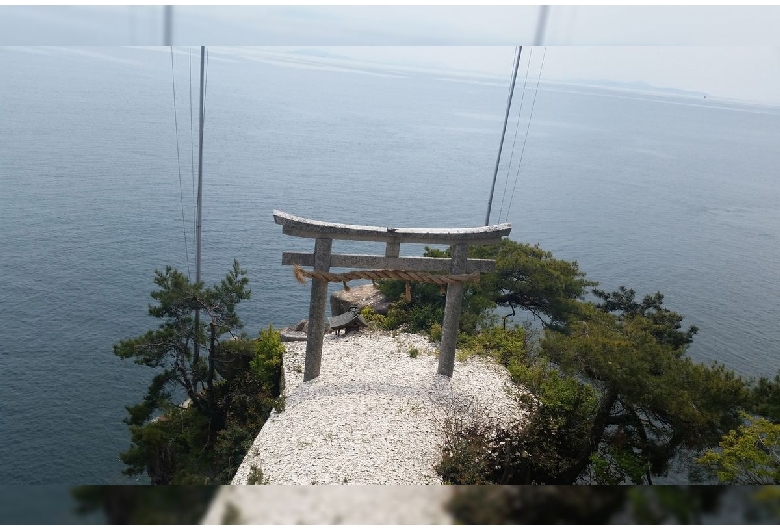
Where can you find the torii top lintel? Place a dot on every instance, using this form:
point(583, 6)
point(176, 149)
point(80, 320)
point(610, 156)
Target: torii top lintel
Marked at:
point(301, 227)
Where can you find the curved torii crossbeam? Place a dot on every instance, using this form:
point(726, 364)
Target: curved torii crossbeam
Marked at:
point(322, 260)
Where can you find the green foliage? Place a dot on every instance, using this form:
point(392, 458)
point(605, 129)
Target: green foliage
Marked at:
point(536, 506)
point(749, 454)
point(659, 321)
point(526, 278)
point(507, 346)
point(673, 504)
point(232, 357)
point(573, 505)
point(766, 504)
point(425, 309)
point(531, 279)
point(435, 332)
point(185, 446)
point(615, 466)
point(246, 402)
point(231, 446)
point(170, 347)
point(205, 442)
point(467, 454)
point(539, 451)
point(414, 352)
point(653, 399)
point(255, 477)
point(617, 398)
point(170, 448)
point(374, 319)
point(267, 362)
point(560, 420)
point(765, 397)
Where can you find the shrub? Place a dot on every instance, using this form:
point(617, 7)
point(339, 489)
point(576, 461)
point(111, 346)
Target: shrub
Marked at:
point(425, 309)
point(374, 319)
point(413, 317)
point(507, 346)
point(233, 357)
point(185, 446)
point(469, 453)
point(538, 451)
point(267, 362)
point(255, 477)
point(435, 332)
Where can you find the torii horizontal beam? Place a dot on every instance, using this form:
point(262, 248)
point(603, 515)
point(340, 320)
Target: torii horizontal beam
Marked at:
point(301, 227)
point(407, 263)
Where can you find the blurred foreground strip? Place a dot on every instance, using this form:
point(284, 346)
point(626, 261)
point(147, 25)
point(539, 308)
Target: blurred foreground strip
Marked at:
point(330, 505)
point(541, 504)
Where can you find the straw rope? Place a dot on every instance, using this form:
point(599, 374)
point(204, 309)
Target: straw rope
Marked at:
point(385, 274)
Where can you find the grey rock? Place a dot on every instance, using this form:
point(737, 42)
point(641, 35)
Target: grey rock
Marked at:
point(295, 332)
point(292, 336)
point(360, 296)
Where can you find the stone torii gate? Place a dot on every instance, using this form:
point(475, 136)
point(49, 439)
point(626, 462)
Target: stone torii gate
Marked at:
point(459, 267)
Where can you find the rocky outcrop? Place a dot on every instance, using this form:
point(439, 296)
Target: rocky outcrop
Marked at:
point(360, 296)
point(296, 332)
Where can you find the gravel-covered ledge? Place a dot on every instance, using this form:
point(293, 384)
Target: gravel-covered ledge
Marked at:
point(375, 415)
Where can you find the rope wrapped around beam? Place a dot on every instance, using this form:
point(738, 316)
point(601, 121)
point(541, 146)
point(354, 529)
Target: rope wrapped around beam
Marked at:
point(385, 274)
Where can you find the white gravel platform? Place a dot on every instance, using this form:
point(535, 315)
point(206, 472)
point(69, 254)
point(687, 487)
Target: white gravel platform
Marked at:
point(375, 415)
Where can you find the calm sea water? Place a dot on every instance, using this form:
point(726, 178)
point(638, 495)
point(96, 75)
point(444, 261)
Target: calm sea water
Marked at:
point(658, 194)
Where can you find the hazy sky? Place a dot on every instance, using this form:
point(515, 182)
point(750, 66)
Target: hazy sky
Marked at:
point(740, 72)
point(726, 51)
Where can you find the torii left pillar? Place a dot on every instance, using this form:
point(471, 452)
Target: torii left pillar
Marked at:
point(317, 319)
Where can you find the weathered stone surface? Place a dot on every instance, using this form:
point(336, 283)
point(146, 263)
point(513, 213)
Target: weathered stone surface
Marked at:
point(295, 332)
point(404, 263)
point(452, 306)
point(318, 324)
point(360, 296)
point(301, 227)
point(292, 335)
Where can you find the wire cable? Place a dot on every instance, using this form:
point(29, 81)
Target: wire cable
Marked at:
point(528, 128)
point(206, 86)
point(517, 126)
point(192, 149)
point(516, 63)
point(178, 161)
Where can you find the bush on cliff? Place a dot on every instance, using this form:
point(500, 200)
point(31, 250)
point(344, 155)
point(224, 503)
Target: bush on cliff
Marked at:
point(204, 441)
point(616, 398)
point(526, 279)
